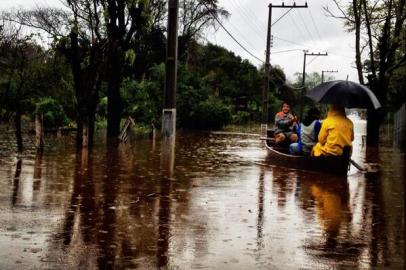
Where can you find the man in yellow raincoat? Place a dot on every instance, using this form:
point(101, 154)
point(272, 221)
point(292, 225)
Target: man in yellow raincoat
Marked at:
point(337, 131)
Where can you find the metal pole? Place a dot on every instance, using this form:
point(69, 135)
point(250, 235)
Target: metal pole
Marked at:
point(265, 90)
point(322, 76)
point(169, 109)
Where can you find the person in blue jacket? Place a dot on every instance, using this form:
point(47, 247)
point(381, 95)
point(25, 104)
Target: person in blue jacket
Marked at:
point(308, 132)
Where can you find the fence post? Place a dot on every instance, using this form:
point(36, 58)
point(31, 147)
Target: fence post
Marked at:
point(39, 131)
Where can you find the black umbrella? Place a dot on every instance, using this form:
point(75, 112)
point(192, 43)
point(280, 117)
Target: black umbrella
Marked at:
point(345, 94)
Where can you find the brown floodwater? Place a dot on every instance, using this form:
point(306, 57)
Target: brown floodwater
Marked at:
point(209, 201)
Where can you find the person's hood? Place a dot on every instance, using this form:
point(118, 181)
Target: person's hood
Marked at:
point(336, 112)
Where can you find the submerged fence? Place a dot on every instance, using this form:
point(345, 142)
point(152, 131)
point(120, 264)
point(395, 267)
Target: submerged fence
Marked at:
point(399, 128)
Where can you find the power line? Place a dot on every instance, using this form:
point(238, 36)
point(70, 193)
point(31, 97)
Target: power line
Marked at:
point(241, 34)
point(246, 50)
point(280, 18)
point(311, 61)
point(247, 19)
point(305, 26)
point(305, 46)
point(253, 14)
point(289, 41)
point(292, 50)
point(297, 27)
point(346, 56)
point(314, 24)
point(231, 35)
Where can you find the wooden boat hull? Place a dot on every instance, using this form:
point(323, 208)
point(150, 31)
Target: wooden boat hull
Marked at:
point(335, 165)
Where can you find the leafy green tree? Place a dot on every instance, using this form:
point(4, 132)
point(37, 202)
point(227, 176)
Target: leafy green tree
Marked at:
point(20, 60)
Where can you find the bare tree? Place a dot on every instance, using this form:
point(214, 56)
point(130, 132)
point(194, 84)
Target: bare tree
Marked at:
point(195, 16)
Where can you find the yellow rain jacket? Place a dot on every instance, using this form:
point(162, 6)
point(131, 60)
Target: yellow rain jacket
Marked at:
point(336, 132)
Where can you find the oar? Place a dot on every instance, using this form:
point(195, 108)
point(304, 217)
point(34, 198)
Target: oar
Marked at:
point(356, 165)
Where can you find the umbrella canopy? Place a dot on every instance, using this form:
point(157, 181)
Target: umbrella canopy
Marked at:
point(345, 94)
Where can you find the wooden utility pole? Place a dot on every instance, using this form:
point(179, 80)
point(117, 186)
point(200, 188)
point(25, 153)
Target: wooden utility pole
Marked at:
point(169, 109)
point(265, 89)
point(326, 71)
point(305, 53)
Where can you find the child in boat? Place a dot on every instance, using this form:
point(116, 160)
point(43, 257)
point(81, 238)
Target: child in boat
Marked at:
point(285, 124)
point(337, 132)
point(307, 131)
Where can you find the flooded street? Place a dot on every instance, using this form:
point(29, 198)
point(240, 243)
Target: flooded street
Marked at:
point(215, 201)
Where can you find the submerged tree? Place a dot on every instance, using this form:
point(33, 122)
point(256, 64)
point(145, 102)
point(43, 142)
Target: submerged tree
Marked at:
point(123, 21)
point(385, 37)
point(20, 61)
point(75, 33)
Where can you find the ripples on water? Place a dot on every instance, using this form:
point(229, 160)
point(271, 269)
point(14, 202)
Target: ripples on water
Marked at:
point(215, 203)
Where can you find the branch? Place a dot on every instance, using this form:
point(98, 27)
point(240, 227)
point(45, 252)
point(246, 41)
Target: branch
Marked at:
point(344, 15)
point(399, 64)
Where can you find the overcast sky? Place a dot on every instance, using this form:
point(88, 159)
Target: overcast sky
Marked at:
point(300, 29)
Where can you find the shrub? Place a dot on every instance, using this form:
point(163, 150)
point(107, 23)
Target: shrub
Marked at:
point(101, 110)
point(241, 117)
point(211, 113)
point(54, 115)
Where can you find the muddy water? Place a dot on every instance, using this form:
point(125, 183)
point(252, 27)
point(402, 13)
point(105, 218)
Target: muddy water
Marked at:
point(209, 202)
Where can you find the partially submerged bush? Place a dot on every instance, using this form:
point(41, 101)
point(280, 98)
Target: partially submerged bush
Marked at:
point(211, 113)
point(54, 115)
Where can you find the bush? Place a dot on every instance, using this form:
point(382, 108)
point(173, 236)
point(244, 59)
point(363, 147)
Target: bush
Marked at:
point(139, 100)
point(101, 110)
point(212, 113)
point(241, 117)
point(54, 115)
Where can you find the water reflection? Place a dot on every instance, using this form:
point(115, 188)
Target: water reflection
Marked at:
point(330, 197)
point(16, 182)
point(260, 218)
point(37, 171)
point(164, 214)
point(221, 206)
point(283, 184)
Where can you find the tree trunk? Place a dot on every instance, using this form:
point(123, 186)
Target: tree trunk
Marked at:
point(370, 43)
point(79, 131)
point(373, 128)
point(19, 137)
point(113, 94)
point(379, 85)
point(92, 120)
point(85, 132)
point(357, 20)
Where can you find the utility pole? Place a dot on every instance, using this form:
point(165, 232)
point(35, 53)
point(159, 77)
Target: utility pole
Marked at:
point(305, 53)
point(169, 109)
point(265, 89)
point(326, 71)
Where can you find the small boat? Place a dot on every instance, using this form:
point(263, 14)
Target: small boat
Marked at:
point(333, 164)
